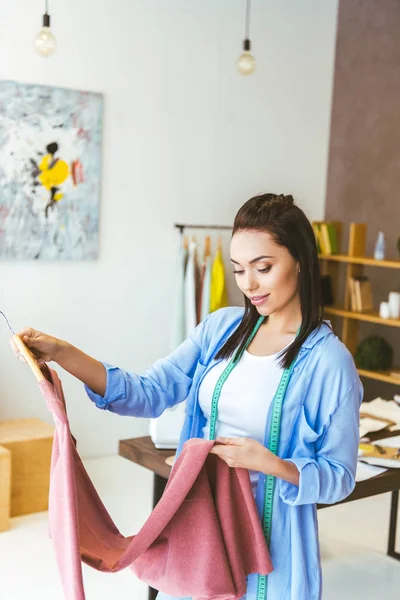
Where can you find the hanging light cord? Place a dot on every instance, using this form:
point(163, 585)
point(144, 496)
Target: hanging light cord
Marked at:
point(248, 10)
point(9, 326)
point(46, 7)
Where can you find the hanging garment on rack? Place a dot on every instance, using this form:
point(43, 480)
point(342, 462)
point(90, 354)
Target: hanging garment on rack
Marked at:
point(201, 540)
point(206, 289)
point(202, 269)
point(190, 290)
point(198, 272)
point(165, 429)
point(179, 333)
point(218, 295)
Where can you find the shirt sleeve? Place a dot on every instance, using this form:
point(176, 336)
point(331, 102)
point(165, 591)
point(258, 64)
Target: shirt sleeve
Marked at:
point(330, 476)
point(166, 383)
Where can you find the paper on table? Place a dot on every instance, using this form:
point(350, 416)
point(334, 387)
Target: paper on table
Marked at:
point(367, 471)
point(392, 442)
point(382, 409)
point(368, 425)
point(382, 462)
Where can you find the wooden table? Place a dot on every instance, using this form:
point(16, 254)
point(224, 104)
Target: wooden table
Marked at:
point(142, 451)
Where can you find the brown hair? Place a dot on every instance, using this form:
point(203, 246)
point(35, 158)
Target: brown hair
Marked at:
point(289, 227)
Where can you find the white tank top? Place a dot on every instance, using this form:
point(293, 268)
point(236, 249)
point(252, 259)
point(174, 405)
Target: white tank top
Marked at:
point(245, 398)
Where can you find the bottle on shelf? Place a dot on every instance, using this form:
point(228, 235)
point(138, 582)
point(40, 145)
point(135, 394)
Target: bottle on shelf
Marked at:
point(379, 253)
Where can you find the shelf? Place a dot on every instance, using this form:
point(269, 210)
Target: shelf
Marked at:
point(354, 260)
point(372, 316)
point(361, 260)
point(380, 376)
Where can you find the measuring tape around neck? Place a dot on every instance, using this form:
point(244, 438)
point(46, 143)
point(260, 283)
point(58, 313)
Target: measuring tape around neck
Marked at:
point(273, 439)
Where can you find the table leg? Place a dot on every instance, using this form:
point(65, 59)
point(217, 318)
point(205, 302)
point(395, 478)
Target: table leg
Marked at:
point(152, 594)
point(158, 490)
point(393, 525)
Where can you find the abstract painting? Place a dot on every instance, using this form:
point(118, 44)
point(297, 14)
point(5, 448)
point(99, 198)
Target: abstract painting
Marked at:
point(50, 167)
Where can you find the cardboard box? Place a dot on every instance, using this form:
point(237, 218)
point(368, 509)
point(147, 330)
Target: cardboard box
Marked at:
point(5, 488)
point(30, 443)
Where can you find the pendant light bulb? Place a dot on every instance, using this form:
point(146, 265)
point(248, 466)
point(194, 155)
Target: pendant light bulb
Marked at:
point(246, 62)
point(45, 42)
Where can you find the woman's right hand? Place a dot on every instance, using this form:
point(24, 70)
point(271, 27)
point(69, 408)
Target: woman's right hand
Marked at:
point(82, 366)
point(43, 347)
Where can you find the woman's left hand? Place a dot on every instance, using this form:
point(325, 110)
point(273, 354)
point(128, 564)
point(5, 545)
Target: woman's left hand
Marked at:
point(246, 453)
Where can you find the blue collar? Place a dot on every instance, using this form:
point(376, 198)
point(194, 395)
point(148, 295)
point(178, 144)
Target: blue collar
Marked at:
point(322, 331)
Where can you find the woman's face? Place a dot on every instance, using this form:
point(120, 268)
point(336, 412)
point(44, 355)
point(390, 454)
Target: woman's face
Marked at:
point(265, 272)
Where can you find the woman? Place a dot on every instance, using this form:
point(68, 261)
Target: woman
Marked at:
point(283, 352)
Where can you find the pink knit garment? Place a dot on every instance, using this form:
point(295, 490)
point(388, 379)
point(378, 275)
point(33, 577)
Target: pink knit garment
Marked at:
point(201, 540)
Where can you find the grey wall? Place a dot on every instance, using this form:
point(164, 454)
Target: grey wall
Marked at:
point(364, 159)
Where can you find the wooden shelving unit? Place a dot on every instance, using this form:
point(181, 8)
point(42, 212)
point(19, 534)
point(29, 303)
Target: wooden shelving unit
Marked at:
point(371, 316)
point(355, 261)
point(380, 376)
point(361, 260)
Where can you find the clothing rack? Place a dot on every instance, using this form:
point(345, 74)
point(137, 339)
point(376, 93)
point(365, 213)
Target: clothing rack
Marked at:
point(182, 227)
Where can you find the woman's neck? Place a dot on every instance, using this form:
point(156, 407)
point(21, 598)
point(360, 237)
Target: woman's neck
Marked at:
point(286, 321)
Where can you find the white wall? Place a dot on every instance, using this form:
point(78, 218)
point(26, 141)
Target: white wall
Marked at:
point(186, 138)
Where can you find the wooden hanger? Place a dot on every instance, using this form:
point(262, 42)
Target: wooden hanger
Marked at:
point(27, 354)
point(207, 247)
point(185, 242)
point(220, 244)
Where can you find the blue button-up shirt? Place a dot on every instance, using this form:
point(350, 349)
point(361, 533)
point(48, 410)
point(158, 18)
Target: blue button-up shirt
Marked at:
point(319, 434)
